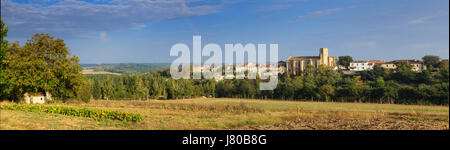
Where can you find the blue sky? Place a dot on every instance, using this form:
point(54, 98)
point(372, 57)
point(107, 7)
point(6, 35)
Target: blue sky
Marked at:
point(121, 31)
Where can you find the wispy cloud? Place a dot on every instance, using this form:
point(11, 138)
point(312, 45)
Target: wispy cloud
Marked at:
point(365, 44)
point(429, 18)
point(103, 36)
point(74, 17)
point(318, 13)
point(420, 20)
point(274, 7)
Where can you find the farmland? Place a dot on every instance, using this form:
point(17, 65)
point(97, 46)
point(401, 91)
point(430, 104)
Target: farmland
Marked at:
point(235, 114)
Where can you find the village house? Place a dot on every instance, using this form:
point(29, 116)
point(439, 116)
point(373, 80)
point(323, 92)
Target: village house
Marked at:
point(37, 98)
point(364, 65)
point(417, 65)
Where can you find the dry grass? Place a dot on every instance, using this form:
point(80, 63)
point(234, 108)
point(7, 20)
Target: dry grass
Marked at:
point(241, 114)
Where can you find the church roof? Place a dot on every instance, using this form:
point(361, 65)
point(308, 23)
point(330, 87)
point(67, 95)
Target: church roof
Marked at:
point(303, 57)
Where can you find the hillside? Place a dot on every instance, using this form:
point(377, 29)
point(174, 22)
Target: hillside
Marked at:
point(125, 68)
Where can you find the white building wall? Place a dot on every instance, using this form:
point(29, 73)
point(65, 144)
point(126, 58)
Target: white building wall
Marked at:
point(38, 99)
point(35, 99)
point(360, 66)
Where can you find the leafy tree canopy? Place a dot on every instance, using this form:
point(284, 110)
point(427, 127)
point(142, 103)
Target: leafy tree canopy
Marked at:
point(431, 61)
point(3, 49)
point(345, 61)
point(43, 64)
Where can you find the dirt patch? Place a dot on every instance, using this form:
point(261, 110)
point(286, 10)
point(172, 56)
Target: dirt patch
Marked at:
point(340, 121)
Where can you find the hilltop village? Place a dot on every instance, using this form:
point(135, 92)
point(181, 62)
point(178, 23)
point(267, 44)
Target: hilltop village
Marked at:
point(294, 65)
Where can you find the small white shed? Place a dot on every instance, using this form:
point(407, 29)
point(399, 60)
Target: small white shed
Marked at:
point(37, 98)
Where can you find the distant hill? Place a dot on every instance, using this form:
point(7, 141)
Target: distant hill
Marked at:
point(125, 68)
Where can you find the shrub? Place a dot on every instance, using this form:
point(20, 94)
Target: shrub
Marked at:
point(81, 112)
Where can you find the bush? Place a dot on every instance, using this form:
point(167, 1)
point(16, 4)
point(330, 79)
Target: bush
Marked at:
point(81, 112)
point(84, 95)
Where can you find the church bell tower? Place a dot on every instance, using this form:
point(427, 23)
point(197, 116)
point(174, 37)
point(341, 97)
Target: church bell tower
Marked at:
point(324, 56)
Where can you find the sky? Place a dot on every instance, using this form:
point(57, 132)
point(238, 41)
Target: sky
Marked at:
point(143, 31)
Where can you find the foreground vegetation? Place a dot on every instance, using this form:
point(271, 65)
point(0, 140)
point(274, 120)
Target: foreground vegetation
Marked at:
point(222, 113)
point(81, 112)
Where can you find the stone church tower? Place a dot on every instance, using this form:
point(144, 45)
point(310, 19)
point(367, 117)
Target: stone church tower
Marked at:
point(324, 56)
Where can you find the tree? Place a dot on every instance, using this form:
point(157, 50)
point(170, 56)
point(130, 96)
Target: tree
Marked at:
point(390, 91)
point(326, 91)
point(376, 72)
point(309, 87)
point(379, 83)
point(308, 70)
point(443, 71)
point(43, 64)
point(345, 61)
point(285, 90)
point(298, 85)
point(404, 72)
point(3, 49)
point(322, 70)
point(431, 61)
point(425, 77)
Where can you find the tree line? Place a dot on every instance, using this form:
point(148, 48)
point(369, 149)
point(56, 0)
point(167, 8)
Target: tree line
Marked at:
point(380, 85)
point(127, 68)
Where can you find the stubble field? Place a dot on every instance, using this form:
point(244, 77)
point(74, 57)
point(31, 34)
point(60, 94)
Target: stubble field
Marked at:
point(236, 114)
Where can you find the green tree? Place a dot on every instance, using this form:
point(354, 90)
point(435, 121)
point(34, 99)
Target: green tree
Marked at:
point(43, 64)
point(443, 71)
point(3, 49)
point(345, 61)
point(309, 87)
point(326, 91)
point(379, 83)
point(391, 91)
point(376, 72)
point(285, 90)
point(425, 77)
point(431, 61)
point(404, 72)
point(308, 70)
point(322, 70)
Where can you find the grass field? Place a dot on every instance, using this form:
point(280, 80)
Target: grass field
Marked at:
point(222, 113)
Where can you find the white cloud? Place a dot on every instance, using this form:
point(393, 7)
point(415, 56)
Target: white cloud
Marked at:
point(137, 26)
point(420, 20)
point(75, 17)
point(318, 13)
point(429, 18)
point(274, 7)
point(104, 37)
point(321, 13)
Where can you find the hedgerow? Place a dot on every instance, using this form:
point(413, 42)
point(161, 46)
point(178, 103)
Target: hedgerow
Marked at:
point(81, 112)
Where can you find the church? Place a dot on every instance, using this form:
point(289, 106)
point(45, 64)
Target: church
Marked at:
point(296, 64)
